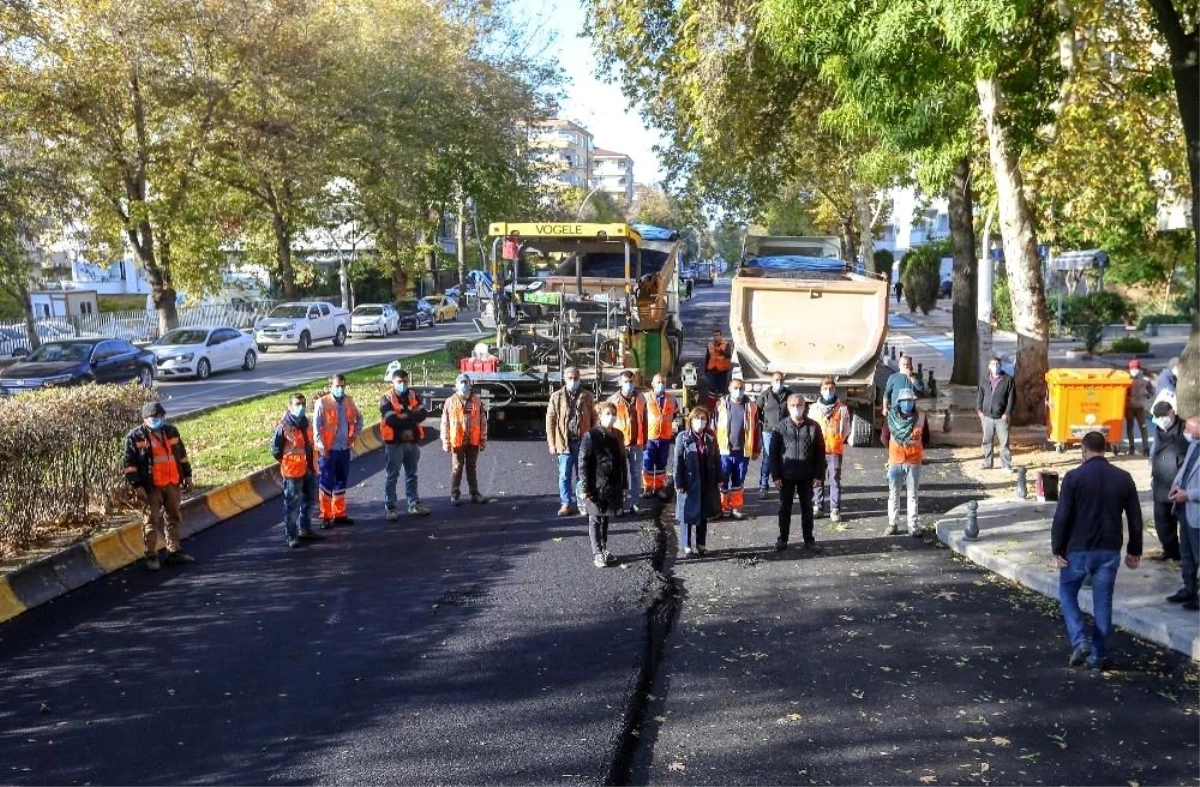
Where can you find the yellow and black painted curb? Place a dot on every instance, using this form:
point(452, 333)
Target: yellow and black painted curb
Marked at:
point(79, 564)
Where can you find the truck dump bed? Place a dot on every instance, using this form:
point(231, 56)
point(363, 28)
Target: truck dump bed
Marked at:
point(808, 320)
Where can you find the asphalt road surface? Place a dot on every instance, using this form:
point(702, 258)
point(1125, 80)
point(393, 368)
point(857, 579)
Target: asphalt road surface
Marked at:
point(479, 646)
point(282, 367)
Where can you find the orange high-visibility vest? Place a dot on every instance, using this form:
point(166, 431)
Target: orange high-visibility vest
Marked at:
point(717, 362)
point(164, 468)
point(329, 418)
point(750, 431)
point(660, 424)
point(913, 452)
point(460, 429)
point(633, 439)
point(835, 441)
point(385, 431)
point(294, 462)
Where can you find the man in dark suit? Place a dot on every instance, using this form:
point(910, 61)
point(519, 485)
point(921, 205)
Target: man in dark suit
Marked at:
point(1086, 540)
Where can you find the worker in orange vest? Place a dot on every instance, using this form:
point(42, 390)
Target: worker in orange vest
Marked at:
point(400, 417)
point(292, 447)
point(835, 420)
point(718, 361)
point(739, 440)
point(630, 408)
point(464, 436)
point(661, 409)
point(338, 425)
point(158, 470)
point(908, 436)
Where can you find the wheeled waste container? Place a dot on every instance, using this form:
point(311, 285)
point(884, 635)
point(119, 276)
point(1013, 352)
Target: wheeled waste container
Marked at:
point(1085, 400)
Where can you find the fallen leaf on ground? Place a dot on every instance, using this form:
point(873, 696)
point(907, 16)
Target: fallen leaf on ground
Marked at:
point(1000, 740)
point(677, 766)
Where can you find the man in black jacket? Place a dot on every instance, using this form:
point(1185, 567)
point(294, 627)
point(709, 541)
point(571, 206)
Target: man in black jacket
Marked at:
point(1166, 457)
point(994, 402)
point(1086, 539)
point(157, 469)
point(400, 415)
point(772, 408)
point(797, 465)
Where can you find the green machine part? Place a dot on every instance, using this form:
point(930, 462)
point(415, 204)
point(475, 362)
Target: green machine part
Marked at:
point(651, 354)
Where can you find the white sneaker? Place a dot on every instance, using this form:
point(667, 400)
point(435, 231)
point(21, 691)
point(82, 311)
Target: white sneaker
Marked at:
point(599, 562)
point(835, 515)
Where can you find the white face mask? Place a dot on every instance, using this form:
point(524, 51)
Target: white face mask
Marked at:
point(736, 394)
point(777, 386)
point(1164, 423)
point(1135, 373)
point(607, 420)
point(698, 424)
point(993, 370)
point(1191, 438)
point(797, 412)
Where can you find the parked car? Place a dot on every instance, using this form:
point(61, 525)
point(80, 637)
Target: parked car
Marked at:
point(79, 361)
point(446, 309)
point(702, 273)
point(376, 319)
point(946, 288)
point(301, 324)
point(198, 352)
point(13, 344)
point(415, 313)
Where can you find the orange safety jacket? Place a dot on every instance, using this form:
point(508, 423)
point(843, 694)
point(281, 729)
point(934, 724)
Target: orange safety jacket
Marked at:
point(624, 423)
point(386, 431)
point(660, 424)
point(717, 358)
point(329, 418)
point(296, 442)
point(461, 429)
point(913, 452)
point(164, 469)
point(835, 440)
point(751, 430)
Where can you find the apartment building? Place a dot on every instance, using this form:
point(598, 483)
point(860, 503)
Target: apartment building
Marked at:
point(614, 175)
point(567, 150)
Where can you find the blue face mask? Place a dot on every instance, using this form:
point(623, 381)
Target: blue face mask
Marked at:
point(572, 385)
point(156, 423)
point(907, 407)
point(298, 410)
point(828, 397)
point(463, 388)
point(401, 387)
point(627, 388)
point(736, 394)
point(659, 388)
point(777, 386)
point(339, 391)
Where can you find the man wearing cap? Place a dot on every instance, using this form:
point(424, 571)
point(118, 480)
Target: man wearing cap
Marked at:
point(1167, 451)
point(158, 470)
point(908, 434)
point(464, 435)
point(1138, 397)
point(994, 401)
point(400, 415)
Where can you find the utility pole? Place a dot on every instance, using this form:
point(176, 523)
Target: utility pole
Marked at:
point(460, 243)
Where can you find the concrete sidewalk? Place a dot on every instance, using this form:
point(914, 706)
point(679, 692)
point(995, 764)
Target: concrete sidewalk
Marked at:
point(1014, 542)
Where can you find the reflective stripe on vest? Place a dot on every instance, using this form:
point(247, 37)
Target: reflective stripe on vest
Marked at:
point(911, 453)
point(329, 420)
point(164, 468)
point(385, 431)
point(623, 422)
point(461, 431)
point(750, 433)
point(831, 428)
point(294, 462)
point(717, 362)
point(660, 425)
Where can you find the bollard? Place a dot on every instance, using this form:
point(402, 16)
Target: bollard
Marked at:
point(971, 530)
point(1022, 485)
point(893, 352)
point(932, 385)
point(920, 371)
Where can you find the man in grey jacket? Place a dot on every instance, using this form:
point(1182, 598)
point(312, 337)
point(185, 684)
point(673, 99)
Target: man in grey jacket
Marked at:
point(1185, 493)
point(1166, 457)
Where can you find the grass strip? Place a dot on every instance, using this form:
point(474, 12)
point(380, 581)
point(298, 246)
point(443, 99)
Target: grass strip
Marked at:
point(232, 442)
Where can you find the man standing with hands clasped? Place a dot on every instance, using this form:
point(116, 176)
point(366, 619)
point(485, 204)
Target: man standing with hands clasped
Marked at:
point(904, 380)
point(1086, 540)
point(994, 403)
point(158, 470)
point(797, 465)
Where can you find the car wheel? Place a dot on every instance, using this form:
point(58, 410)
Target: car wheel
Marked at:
point(304, 343)
point(146, 377)
point(455, 317)
point(203, 369)
point(339, 338)
point(250, 361)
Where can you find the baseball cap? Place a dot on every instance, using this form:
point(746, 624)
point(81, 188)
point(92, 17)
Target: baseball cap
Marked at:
point(153, 410)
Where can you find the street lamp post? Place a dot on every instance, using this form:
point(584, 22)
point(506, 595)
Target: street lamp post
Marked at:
point(582, 205)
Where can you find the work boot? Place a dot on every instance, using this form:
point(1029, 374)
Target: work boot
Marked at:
point(418, 509)
point(479, 499)
point(608, 557)
point(700, 550)
point(737, 514)
point(599, 562)
point(814, 547)
point(1192, 604)
point(762, 493)
point(344, 521)
point(326, 523)
point(293, 542)
point(456, 498)
point(566, 509)
point(835, 515)
point(152, 563)
point(1179, 596)
point(178, 559)
point(391, 514)
point(308, 535)
point(1078, 656)
point(780, 544)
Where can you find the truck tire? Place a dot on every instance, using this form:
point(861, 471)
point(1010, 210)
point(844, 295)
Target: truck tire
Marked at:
point(862, 431)
point(304, 343)
point(339, 338)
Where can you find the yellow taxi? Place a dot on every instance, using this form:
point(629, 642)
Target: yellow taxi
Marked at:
point(445, 309)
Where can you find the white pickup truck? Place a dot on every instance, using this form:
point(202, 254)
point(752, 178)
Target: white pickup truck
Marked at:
point(300, 324)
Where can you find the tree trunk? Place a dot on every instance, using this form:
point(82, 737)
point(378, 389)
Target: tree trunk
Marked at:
point(460, 242)
point(866, 235)
point(162, 293)
point(849, 241)
point(966, 277)
point(283, 255)
point(1021, 260)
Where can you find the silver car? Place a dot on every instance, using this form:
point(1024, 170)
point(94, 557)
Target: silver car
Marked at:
point(198, 352)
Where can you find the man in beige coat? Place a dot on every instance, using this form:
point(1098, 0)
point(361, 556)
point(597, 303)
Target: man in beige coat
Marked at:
point(572, 412)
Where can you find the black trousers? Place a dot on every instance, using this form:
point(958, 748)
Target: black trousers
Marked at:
point(1166, 526)
point(598, 532)
point(789, 491)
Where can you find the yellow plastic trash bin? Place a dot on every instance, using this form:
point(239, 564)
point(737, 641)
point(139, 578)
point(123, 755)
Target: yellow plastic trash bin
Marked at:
point(1085, 400)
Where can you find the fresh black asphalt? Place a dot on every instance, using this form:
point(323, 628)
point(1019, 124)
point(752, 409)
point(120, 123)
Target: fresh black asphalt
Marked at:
point(479, 645)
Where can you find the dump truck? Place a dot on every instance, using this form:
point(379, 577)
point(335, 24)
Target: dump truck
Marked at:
point(796, 307)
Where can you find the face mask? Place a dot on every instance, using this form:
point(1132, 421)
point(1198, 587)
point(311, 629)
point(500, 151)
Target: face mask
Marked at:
point(659, 388)
point(156, 423)
point(607, 420)
point(298, 410)
point(828, 397)
point(1191, 438)
point(627, 388)
point(776, 387)
point(698, 424)
point(401, 387)
point(736, 394)
point(797, 412)
point(1164, 423)
point(462, 388)
point(908, 407)
point(572, 385)
point(339, 391)
point(993, 370)
point(1135, 373)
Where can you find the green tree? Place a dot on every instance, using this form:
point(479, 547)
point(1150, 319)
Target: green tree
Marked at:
point(922, 276)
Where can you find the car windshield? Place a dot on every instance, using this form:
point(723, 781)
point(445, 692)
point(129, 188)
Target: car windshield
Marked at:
point(368, 311)
point(290, 310)
point(407, 306)
point(184, 336)
point(57, 352)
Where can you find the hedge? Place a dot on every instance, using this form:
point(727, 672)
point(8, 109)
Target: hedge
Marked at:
point(61, 451)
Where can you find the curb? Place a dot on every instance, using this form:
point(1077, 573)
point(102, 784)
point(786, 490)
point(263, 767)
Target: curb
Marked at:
point(1144, 615)
point(58, 574)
